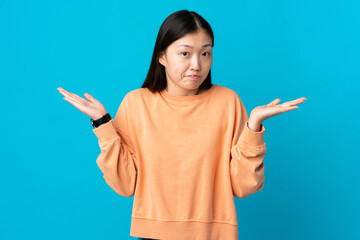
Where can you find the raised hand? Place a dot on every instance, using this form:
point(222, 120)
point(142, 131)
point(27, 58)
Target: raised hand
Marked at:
point(89, 106)
point(259, 114)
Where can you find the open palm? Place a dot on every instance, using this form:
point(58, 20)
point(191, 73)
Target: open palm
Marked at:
point(89, 106)
point(272, 109)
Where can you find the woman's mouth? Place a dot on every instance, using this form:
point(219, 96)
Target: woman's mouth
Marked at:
point(193, 76)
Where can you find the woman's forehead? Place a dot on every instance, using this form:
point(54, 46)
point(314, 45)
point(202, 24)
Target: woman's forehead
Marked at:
point(198, 40)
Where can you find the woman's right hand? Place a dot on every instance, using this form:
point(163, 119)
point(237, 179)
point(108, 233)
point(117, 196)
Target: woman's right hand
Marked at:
point(91, 107)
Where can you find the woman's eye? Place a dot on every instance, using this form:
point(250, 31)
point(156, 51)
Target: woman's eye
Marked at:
point(205, 54)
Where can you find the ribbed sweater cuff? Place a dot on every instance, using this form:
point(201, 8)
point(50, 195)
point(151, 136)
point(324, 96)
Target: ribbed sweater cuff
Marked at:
point(106, 131)
point(252, 138)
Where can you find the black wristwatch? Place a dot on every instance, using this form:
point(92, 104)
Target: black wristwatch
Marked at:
point(104, 119)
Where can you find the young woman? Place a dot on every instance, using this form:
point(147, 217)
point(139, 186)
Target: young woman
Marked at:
point(182, 146)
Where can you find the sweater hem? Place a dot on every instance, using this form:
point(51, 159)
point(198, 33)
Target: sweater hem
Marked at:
point(182, 229)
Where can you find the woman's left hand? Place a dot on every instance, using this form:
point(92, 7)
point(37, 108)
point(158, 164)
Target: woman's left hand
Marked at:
point(259, 114)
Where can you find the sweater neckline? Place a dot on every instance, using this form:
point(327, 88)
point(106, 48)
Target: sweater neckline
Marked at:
point(188, 98)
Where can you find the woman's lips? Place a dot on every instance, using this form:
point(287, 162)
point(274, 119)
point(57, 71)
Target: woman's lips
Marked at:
point(194, 76)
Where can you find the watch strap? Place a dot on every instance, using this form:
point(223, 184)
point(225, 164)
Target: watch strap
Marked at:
point(104, 119)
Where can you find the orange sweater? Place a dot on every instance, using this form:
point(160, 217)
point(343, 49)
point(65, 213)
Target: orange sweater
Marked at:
point(183, 158)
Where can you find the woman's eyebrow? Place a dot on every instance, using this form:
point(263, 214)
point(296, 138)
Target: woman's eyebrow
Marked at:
point(205, 45)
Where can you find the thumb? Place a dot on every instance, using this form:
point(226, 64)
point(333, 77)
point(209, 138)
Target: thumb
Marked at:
point(89, 97)
point(273, 103)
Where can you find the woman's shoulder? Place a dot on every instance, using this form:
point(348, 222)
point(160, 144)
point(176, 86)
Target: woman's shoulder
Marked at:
point(226, 92)
point(137, 96)
point(138, 92)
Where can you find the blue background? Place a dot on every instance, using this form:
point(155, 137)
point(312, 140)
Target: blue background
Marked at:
point(51, 187)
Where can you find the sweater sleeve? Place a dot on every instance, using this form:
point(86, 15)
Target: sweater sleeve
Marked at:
point(247, 155)
point(117, 158)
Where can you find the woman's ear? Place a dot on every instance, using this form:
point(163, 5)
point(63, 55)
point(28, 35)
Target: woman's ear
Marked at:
point(162, 58)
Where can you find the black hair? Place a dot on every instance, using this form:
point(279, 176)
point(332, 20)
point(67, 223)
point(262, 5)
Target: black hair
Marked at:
point(175, 26)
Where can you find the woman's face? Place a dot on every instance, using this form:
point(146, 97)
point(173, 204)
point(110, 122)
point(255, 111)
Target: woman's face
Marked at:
point(189, 55)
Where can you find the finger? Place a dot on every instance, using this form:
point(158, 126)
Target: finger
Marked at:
point(73, 99)
point(76, 104)
point(288, 109)
point(273, 103)
point(69, 100)
point(65, 93)
point(72, 96)
point(80, 99)
point(89, 97)
point(63, 90)
point(299, 100)
point(293, 102)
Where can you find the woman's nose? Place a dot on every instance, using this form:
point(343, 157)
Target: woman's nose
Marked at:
point(195, 63)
